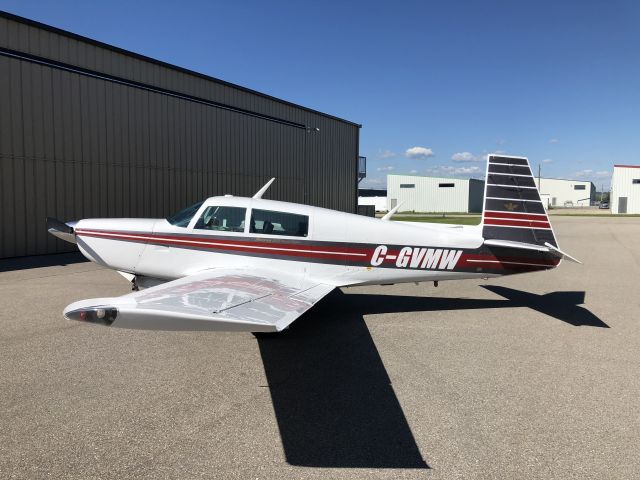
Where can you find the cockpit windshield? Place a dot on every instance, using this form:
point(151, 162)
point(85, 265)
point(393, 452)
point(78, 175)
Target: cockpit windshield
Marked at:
point(183, 217)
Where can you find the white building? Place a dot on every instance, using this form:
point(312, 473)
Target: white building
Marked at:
point(625, 189)
point(373, 196)
point(434, 194)
point(380, 203)
point(566, 193)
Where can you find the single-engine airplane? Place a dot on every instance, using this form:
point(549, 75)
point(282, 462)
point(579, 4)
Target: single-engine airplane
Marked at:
point(250, 264)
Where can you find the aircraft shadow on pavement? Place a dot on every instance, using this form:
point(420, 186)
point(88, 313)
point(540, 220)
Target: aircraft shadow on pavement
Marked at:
point(332, 397)
point(563, 306)
point(39, 261)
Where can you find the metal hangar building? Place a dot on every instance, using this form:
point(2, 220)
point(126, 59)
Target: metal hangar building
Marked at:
point(91, 130)
point(558, 192)
point(625, 189)
point(435, 194)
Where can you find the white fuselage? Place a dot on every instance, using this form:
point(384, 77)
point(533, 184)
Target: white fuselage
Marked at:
point(338, 248)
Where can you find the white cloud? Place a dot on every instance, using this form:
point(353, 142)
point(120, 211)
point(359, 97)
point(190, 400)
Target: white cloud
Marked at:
point(466, 170)
point(470, 157)
point(413, 172)
point(590, 174)
point(454, 171)
point(554, 140)
point(386, 154)
point(419, 152)
point(464, 157)
point(547, 160)
point(583, 173)
point(501, 141)
point(374, 182)
point(388, 168)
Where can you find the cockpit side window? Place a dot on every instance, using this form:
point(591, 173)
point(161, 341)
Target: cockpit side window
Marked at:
point(222, 219)
point(279, 223)
point(183, 217)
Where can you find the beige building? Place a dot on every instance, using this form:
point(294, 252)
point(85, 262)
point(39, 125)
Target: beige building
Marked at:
point(434, 194)
point(566, 193)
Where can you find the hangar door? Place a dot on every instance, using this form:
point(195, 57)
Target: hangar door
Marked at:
point(622, 204)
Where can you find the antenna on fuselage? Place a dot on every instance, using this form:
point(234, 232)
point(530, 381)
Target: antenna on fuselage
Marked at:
point(391, 212)
point(260, 192)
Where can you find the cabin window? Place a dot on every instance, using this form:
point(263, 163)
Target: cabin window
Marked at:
point(222, 219)
point(407, 185)
point(446, 185)
point(279, 223)
point(183, 217)
point(635, 180)
point(579, 187)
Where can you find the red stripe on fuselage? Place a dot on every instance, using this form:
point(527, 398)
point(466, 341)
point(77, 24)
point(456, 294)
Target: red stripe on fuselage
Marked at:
point(510, 258)
point(361, 254)
point(297, 250)
point(471, 260)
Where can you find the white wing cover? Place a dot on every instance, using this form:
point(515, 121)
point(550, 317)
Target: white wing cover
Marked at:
point(219, 299)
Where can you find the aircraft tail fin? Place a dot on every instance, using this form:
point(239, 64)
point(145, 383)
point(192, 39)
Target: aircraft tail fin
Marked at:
point(513, 210)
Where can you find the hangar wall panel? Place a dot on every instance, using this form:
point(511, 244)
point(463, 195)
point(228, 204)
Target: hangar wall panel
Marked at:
point(89, 130)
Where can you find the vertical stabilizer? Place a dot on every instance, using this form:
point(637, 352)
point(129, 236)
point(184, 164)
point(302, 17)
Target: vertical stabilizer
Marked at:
point(513, 210)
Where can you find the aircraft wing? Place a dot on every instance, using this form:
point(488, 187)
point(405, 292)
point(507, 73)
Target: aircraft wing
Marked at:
point(217, 299)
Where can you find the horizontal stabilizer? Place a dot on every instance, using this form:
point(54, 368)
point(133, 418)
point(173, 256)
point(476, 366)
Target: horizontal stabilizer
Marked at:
point(557, 250)
point(511, 244)
point(529, 246)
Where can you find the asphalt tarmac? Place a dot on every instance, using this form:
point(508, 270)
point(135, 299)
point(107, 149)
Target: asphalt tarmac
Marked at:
point(532, 376)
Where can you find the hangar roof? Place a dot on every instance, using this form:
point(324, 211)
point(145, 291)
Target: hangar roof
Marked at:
point(138, 56)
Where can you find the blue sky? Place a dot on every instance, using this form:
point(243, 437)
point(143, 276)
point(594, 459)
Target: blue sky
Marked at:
point(436, 85)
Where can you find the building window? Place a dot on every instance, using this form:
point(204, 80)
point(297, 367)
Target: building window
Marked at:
point(579, 187)
point(635, 180)
point(279, 223)
point(447, 185)
point(222, 219)
point(407, 185)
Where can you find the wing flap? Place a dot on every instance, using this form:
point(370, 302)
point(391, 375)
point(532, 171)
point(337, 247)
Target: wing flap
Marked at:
point(212, 300)
point(280, 309)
